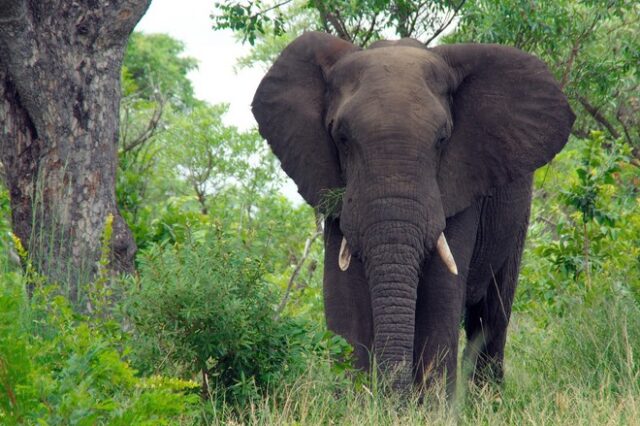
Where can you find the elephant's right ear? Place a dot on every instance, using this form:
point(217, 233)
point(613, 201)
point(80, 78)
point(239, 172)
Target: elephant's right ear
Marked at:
point(289, 105)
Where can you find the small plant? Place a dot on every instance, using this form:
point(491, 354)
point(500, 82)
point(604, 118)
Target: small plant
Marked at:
point(596, 170)
point(203, 309)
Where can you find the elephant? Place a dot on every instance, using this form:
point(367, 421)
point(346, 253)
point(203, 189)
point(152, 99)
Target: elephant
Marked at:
point(434, 150)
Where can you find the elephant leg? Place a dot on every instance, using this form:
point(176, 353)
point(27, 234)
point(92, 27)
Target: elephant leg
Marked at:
point(440, 303)
point(486, 322)
point(347, 301)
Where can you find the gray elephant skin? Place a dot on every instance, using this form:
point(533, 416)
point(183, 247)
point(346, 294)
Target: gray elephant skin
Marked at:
point(433, 146)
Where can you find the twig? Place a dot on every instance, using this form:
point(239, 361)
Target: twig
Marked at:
point(369, 32)
point(296, 272)
point(567, 69)
point(597, 115)
point(456, 9)
point(574, 51)
point(262, 12)
point(151, 129)
point(547, 221)
point(416, 16)
point(338, 25)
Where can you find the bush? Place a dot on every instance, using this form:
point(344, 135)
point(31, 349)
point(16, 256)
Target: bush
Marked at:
point(56, 367)
point(585, 222)
point(203, 308)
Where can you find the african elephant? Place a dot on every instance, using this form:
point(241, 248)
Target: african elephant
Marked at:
point(435, 148)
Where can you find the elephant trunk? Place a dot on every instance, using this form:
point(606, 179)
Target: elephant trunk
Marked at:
point(393, 254)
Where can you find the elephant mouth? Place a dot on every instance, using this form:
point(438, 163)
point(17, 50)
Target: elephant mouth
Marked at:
point(344, 256)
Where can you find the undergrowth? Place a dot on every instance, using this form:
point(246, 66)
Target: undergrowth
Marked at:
point(580, 370)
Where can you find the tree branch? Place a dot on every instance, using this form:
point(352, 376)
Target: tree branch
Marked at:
point(335, 21)
point(439, 31)
point(569, 64)
point(369, 32)
point(120, 18)
point(416, 17)
point(277, 6)
point(338, 25)
point(625, 130)
point(296, 272)
point(149, 132)
point(598, 116)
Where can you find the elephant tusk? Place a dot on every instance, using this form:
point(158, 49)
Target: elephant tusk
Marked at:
point(445, 254)
point(344, 258)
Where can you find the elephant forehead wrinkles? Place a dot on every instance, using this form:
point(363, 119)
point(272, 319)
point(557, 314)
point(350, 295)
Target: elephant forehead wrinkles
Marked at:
point(399, 65)
point(390, 84)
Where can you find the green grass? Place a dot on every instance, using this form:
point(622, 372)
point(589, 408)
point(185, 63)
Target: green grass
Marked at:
point(578, 370)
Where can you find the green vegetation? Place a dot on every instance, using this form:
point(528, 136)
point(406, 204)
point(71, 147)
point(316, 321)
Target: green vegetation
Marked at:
point(223, 321)
point(61, 367)
point(203, 307)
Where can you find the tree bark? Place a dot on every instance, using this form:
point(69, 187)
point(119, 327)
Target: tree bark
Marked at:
point(60, 67)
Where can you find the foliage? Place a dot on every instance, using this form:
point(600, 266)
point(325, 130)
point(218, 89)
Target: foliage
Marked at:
point(297, 17)
point(585, 221)
point(154, 80)
point(154, 66)
point(5, 230)
point(212, 156)
point(56, 367)
point(360, 21)
point(187, 157)
point(204, 307)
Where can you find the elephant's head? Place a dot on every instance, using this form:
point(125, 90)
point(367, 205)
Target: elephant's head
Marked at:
point(414, 135)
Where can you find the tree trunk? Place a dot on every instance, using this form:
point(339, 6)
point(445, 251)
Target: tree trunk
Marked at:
point(59, 97)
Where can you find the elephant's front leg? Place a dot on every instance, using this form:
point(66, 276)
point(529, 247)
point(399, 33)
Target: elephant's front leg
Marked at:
point(440, 303)
point(347, 302)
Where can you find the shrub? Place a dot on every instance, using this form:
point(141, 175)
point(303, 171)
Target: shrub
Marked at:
point(203, 309)
point(56, 367)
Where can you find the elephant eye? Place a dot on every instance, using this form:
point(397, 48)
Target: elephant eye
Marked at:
point(338, 135)
point(443, 136)
point(441, 141)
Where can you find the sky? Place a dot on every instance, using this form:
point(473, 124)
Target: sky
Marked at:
point(216, 51)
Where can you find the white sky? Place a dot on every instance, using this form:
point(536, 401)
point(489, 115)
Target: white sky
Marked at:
point(216, 51)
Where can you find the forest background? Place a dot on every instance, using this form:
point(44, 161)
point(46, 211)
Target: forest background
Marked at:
point(222, 320)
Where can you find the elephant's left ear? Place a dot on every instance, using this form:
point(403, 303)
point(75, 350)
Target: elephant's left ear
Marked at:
point(509, 118)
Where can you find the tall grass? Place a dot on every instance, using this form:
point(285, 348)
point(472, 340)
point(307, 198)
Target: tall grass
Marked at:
point(581, 369)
